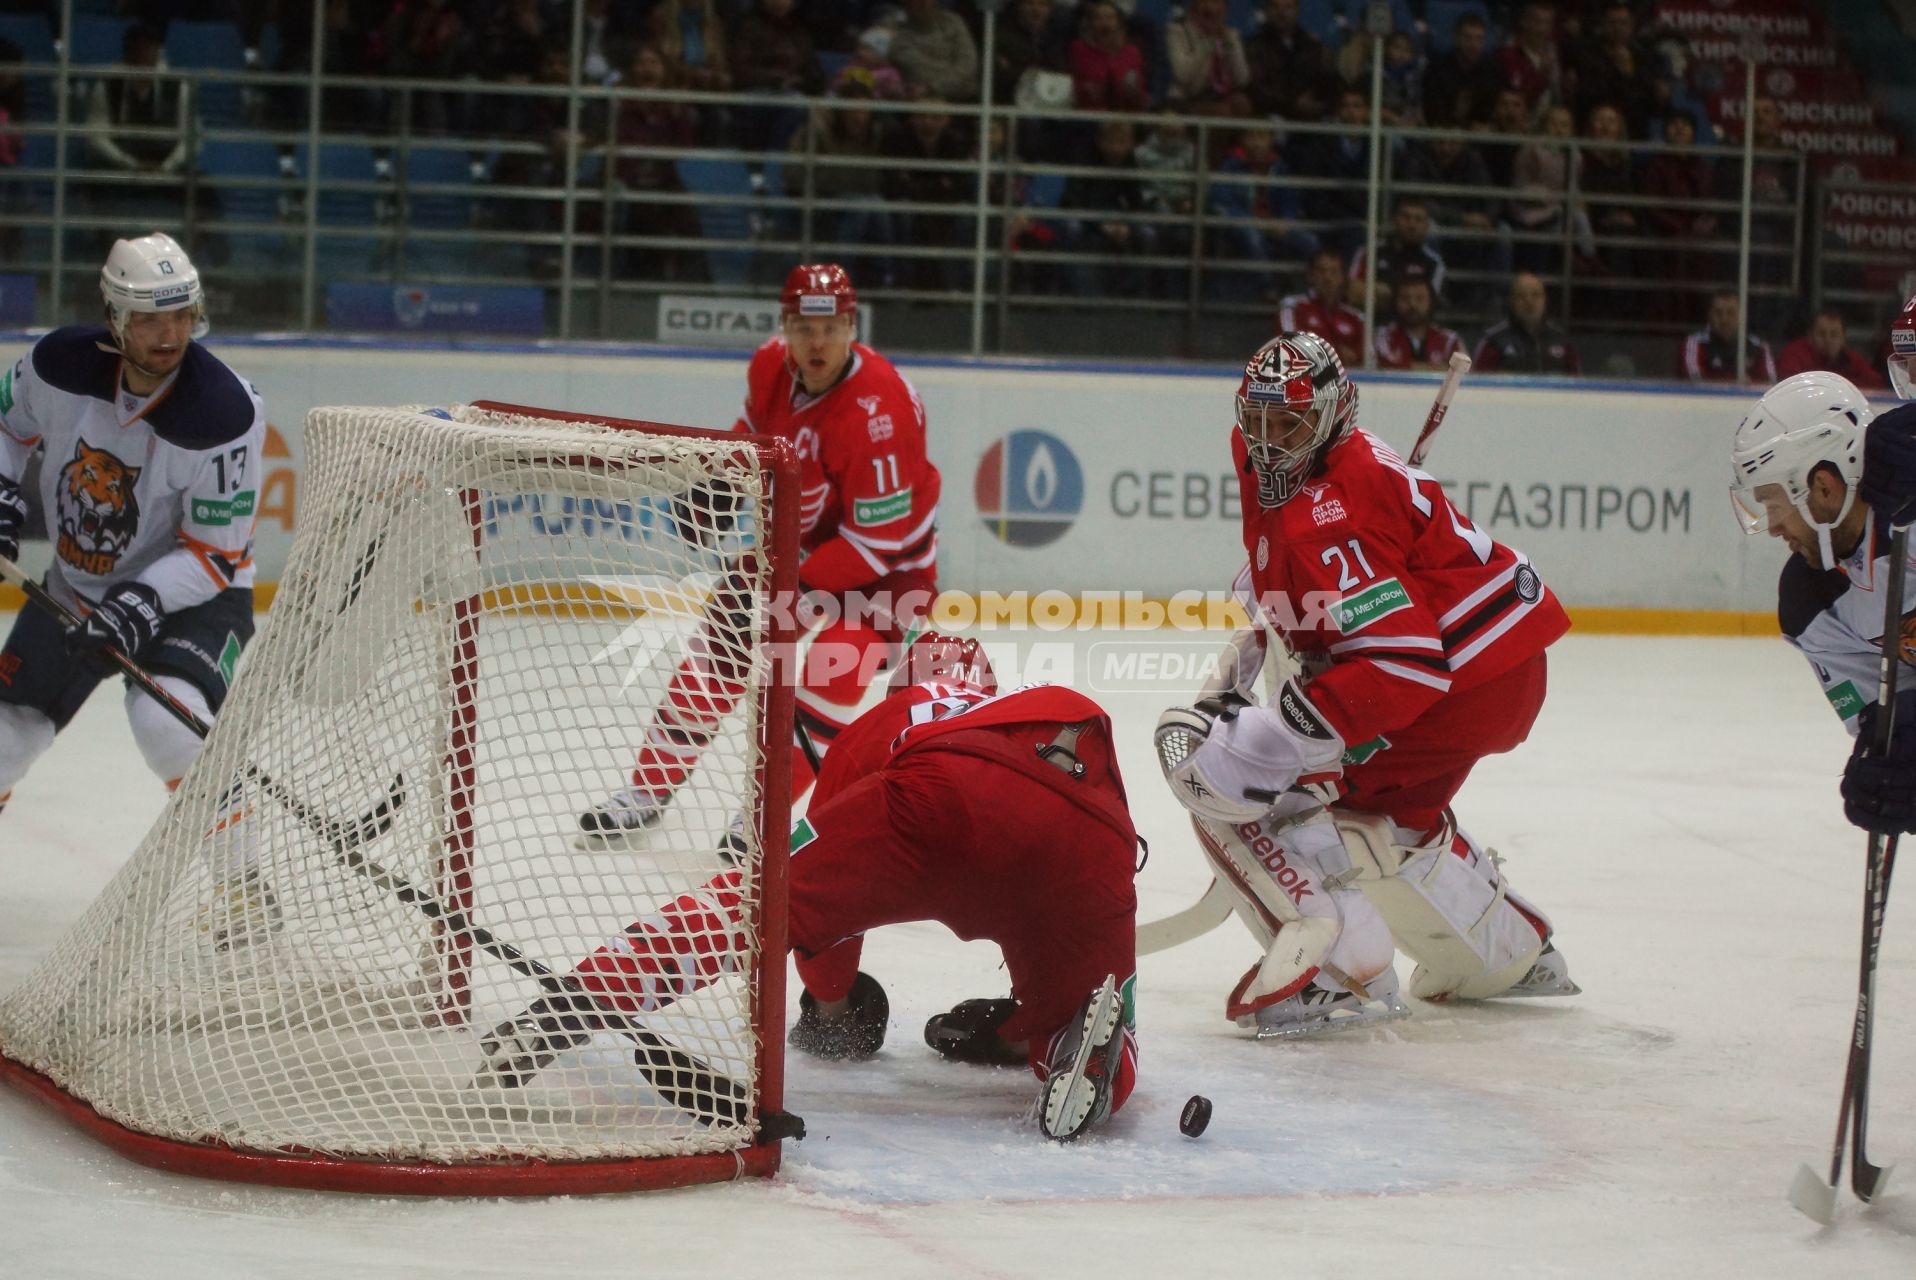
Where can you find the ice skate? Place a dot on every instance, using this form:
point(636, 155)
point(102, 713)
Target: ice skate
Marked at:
point(1548, 975)
point(1318, 1008)
point(620, 818)
point(1084, 1059)
point(242, 911)
point(524, 1045)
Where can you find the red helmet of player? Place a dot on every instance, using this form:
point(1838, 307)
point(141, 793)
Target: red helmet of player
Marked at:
point(818, 289)
point(1902, 352)
point(934, 657)
point(1293, 404)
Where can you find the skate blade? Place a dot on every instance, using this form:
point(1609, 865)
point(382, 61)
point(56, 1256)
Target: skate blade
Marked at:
point(1069, 1098)
point(635, 840)
point(1813, 1198)
point(1372, 1016)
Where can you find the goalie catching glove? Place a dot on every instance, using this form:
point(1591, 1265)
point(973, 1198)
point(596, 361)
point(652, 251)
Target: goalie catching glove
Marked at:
point(1229, 760)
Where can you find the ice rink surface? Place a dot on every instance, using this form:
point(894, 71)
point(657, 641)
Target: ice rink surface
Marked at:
point(1675, 812)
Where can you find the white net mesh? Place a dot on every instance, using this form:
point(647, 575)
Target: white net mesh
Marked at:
point(479, 619)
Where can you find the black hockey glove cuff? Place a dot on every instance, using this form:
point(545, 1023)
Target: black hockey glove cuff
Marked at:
point(128, 620)
point(1879, 790)
point(13, 518)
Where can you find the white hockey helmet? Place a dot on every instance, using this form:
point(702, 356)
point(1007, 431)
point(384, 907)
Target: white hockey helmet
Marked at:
point(1902, 351)
point(151, 273)
point(1802, 423)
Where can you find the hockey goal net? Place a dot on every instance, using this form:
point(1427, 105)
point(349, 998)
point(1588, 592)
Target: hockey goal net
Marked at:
point(376, 854)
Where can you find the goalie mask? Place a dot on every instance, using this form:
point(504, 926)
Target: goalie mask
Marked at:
point(151, 274)
point(1802, 423)
point(1293, 404)
point(1902, 352)
point(932, 657)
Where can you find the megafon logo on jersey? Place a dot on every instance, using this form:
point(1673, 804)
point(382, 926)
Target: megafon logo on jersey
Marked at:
point(1029, 488)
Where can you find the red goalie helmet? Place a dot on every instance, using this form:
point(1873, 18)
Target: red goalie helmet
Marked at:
point(1293, 404)
point(818, 289)
point(1902, 352)
point(934, 656)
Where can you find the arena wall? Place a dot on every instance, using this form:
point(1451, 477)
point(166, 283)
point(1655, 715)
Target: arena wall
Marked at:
point(1076, 478)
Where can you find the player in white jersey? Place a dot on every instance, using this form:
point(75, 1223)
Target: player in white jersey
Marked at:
point(152, 448)
point(1817, 468)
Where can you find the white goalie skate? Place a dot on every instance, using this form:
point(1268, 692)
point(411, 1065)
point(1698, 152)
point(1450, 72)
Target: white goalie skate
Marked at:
point(241, 912)
point(1317, 1009)
point(1548, 975)
point(620, 818)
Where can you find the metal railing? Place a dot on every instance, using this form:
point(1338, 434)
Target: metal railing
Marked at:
point(278, 219)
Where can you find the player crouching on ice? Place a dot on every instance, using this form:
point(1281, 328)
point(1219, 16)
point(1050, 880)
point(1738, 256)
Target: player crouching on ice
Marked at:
point(999, 815)
point(1327, 808)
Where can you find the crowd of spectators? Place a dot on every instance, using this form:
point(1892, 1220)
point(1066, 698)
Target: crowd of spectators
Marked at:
point(1569, 122)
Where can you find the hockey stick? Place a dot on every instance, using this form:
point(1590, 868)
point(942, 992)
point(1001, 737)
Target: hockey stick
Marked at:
point(1214, 908)
point(1813, 1196)
point(680, 1077)
point(1459, 366)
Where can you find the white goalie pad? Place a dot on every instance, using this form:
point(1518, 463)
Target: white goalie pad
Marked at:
point(1284, 894)
point(1455, 916)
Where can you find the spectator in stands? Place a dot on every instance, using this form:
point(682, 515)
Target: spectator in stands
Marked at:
point(13, 146)
point(1107, 67)
point(611, 32)
point(693, 42)
point(1608, 180)
point(1678, 175)
point(920, 136)
point(1403, 89)
point(1412, 340)
point(429, 40)
point(1291, 73)
point(1462, 84)
point(642, 123)
point(1542, 178)
point(1826, 348)
point(1209, 73)
point(542, 119)
point(771, 53)
point(871, 68)
point(512, 37)
point(1263, 194)
point(1322, 310)
point(1169, 160)
point(1610, 68)
point(1709, 354)
point(1511, 118)
point(849, 131)
point(1450, 162)
point(1773, 229)
point(1527, 340)
point(1032, 36)
point(1344, 158)
point(934, 51)
point(1529, 61)
point(1108, 197)
point(1405, 254)
point(160, 108)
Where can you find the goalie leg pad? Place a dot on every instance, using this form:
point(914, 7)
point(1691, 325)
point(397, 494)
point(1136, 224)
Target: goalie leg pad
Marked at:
point(1449, 909)
point(1291, 901)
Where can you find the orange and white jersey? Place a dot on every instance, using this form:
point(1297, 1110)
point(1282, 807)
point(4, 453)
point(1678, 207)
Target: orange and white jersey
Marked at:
point(160, 489)
point(1386, 591)
point(870, 491)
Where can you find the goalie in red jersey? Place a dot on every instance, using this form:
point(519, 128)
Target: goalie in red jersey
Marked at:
point(1419, 649)
point(868, 541)
point(909, 822)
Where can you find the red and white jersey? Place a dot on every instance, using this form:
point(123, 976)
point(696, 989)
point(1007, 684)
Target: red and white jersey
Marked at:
point(1340, 325)
point(925, 712)
point(1396, 349)
point(1384, 589)
point(870, 493)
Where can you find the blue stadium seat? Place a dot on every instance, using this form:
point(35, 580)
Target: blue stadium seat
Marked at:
point(347, 257)
point(29, 31)
point(223, 158)
point(1319, 17)
point(1044, 191)
point(96, 39)
point(728, 181)
point(213, 46)
point(438, 166)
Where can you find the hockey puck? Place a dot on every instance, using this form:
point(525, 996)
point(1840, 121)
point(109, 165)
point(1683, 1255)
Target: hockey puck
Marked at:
point(1196, 1115)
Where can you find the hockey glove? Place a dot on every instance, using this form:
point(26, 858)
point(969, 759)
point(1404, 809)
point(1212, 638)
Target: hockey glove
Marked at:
point(1889, 466)
point(13, 518)
point(127, 620)
point(706, 514)
point(1229, 760)
point(1879, 790)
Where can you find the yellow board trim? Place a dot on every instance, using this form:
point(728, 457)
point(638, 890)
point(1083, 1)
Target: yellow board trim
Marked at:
point(992, 610)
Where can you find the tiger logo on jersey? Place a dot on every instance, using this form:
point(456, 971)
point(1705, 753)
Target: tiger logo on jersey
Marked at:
point(98, 513)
